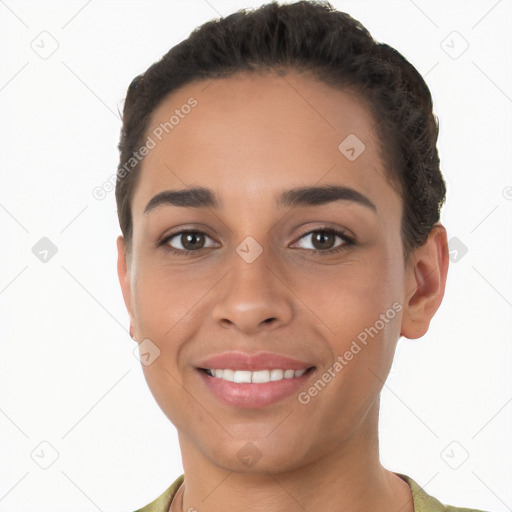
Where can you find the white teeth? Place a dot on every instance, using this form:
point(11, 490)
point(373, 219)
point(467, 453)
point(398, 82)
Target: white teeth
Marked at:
point(242, 376)
point(276, 374)
point(257, 377)
point(228, 375)
point(260, 376)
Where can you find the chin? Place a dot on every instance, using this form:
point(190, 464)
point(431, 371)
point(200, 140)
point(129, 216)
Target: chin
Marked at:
point(256, 457)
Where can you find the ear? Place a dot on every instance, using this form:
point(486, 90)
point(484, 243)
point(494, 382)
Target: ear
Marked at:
point(425, 283)
point(123, 272)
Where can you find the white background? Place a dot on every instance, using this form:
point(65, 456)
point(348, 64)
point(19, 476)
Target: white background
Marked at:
point(68, 374)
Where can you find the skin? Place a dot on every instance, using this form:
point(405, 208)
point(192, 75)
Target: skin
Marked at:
point(250, 138)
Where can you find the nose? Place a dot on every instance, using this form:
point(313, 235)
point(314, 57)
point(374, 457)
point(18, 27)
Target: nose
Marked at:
point(254, 297)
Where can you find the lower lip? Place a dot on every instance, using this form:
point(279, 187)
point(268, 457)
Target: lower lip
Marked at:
point(252, 396)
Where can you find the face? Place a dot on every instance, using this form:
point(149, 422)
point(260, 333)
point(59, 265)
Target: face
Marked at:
point(254, 274)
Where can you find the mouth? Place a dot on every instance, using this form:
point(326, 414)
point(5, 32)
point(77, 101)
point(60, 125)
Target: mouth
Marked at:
point(253, 381)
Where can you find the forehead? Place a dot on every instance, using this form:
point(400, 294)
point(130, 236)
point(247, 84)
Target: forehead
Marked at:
point(249, 137)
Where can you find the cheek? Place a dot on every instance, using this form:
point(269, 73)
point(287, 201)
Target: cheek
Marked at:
point(164, 307)
point(359, 307)
point(169, 309)
point(167, 299)
point(351, 296)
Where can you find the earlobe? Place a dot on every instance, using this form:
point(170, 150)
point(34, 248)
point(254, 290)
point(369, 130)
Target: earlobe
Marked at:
point(123, 273)
point(425, 283)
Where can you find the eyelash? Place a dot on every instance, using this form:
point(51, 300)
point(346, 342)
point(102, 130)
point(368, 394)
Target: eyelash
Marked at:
point(185, 252)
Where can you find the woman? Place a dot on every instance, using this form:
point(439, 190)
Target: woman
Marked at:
point(279, 197)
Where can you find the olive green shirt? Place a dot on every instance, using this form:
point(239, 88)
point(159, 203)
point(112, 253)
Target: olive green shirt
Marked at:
point(422, 501)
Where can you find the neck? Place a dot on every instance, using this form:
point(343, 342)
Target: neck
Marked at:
point(347, 478)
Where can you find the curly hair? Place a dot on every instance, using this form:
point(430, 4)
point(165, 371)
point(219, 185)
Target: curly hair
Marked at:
point(314, 37)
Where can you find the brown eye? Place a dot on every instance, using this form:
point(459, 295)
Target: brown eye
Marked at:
point(187, 241)
point(191, 241)
point(323, 241)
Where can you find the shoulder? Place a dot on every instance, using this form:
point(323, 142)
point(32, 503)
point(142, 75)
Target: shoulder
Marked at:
point(423, 502)
point(163, 502)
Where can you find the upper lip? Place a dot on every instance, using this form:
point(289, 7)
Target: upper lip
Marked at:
point(252, 362)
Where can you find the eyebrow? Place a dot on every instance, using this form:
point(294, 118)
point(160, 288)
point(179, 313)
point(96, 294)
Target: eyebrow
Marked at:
point(200, 197)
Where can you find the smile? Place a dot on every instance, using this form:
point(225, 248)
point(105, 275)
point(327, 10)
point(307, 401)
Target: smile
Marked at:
point(252, 381)
point(256, 377)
